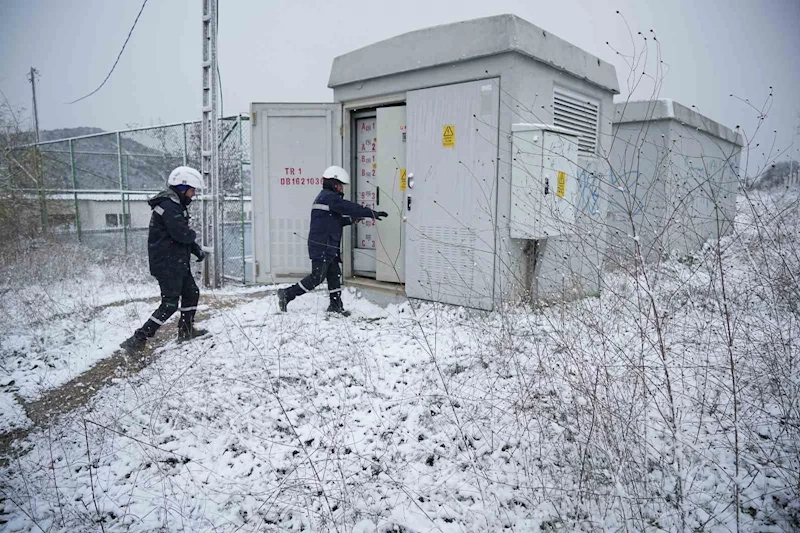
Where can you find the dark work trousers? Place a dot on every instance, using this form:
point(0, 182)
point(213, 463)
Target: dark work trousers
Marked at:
point(174, 290)
point(320, 270)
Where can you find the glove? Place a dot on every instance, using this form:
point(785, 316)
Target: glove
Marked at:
point(200, 254)
point(380, 214)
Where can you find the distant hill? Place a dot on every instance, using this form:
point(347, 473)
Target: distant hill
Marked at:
point(66, 133)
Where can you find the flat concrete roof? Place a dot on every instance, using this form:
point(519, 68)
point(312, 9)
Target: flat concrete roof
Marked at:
point(666, 109)
point(463, 41)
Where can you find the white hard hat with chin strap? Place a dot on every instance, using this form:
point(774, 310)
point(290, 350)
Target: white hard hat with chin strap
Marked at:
point(186, 176)
point(336, 173)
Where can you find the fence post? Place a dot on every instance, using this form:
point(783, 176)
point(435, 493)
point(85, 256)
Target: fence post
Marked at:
point(241, 197)
point(185, 147)
point(75, 190)
point(221, 200)
point(122, 191)
point(42, 198)
point(207, 274)
point(127, 181)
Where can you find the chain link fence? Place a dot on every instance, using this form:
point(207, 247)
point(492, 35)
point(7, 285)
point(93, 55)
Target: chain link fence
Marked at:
point(94, 189)
point(237, 214)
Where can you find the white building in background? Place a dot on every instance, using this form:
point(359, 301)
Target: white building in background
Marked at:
point(102, 211)
point(674, 179)
point(463, 133)
point(98, 210)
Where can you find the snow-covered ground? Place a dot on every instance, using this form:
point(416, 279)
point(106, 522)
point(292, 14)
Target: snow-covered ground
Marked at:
point(610, 413)
point(58, 325)
point(53, 333)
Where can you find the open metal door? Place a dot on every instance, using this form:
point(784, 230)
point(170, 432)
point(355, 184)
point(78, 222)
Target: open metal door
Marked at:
point(452, 197)
point(292, 146)
point(391, 193)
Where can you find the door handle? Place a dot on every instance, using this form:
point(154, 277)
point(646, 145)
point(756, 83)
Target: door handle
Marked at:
point(408, 203)
point(378, 196)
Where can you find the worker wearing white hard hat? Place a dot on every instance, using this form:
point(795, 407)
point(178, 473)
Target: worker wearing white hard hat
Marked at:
point(330, 212)
point(170, 243)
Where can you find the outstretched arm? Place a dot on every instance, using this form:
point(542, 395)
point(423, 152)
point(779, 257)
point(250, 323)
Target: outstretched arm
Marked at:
point(351, 209)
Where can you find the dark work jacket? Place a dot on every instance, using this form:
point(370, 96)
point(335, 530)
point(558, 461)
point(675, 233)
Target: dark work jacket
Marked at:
point(329, 214)
point(170, 241)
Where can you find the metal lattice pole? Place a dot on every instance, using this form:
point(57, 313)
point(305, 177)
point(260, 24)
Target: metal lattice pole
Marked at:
point(209, 138)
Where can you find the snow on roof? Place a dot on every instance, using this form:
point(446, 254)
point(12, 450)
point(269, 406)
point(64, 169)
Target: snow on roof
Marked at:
point(471, 39)
point(667, 109)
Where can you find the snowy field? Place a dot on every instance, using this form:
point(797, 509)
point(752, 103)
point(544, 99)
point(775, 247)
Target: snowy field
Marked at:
point(669, 403)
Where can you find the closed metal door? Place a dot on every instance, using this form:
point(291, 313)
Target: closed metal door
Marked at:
point(292, 146)
point(452, 153)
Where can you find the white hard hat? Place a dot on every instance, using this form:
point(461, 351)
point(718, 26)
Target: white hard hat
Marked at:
point(186, 176)
point(336, 173)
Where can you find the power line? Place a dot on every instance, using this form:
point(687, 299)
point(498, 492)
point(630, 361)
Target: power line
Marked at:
point(118, 56)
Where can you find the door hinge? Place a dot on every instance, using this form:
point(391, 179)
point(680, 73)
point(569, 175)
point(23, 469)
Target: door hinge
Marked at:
point(253, 118)
point(258, 269)
point(341, 131)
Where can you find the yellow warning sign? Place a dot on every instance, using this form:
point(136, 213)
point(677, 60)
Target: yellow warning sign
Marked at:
point(562, 184)
point(403, 179)
point(449, 136)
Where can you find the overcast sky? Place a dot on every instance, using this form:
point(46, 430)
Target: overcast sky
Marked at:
point(281, 51)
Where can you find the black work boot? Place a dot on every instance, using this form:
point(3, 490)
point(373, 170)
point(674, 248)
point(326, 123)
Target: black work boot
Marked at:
point(135, 343)
point(283, 299)
point(187, 332)
point(186, 335)
point(336, 306)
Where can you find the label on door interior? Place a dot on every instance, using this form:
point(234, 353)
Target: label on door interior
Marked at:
point(366, 171)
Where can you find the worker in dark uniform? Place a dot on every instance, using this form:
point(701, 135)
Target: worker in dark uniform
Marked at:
point(329, 214)
point(170, 243)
